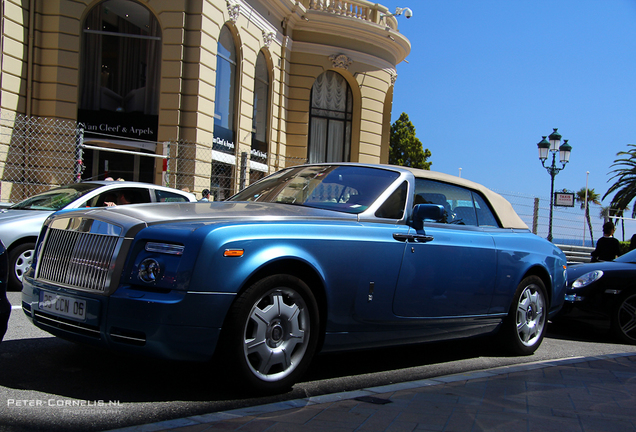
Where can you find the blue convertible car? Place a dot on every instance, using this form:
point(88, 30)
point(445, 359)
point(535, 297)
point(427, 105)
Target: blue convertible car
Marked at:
point(315, 257)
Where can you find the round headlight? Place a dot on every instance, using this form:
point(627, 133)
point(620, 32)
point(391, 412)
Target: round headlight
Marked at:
point(149, 270)
point(587, 279)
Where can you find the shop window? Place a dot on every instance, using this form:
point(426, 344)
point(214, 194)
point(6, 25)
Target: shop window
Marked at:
point(330, 119)
point(121, 59)
point(258, 159)
point(120, 72)
point(223, 149)
point(225, 81)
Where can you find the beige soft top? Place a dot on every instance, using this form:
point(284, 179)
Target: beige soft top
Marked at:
point(507, 215)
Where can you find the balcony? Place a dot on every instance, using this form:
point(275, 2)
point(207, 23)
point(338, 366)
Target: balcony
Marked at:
point(362, 10)
point(357, 25)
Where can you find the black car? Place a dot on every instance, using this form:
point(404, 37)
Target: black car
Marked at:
point(5, 306)
point(607, 290)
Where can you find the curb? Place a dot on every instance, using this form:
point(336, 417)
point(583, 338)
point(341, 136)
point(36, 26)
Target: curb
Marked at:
point(369, 392)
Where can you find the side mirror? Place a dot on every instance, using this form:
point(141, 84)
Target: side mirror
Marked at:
point(422, 212)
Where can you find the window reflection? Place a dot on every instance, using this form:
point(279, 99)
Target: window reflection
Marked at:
point(348, 189)
point(121, 59)
point(330, 119)
point(461, 206)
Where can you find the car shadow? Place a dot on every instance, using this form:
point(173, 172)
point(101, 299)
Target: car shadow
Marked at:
point(582, 330)
point(55, 366)
point(52, 367)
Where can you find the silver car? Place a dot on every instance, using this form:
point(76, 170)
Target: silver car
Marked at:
point(21, 223)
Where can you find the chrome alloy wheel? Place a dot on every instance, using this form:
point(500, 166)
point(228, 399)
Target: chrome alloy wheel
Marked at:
point(626, 318)
point(276, 334)
point(23, 263)
point(531, 317)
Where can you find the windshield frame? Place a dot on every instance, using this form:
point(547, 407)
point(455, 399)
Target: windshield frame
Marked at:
point(351, 189)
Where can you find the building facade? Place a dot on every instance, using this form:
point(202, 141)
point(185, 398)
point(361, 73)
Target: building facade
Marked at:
point(238, 88)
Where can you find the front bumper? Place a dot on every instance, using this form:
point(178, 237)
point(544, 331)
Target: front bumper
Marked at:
point(175, 325)
point(593, 300)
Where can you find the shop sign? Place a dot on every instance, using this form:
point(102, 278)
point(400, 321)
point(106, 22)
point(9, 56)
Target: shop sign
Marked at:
point(109, 125)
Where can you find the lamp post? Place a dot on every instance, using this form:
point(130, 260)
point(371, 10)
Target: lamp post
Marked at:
point(553, 145)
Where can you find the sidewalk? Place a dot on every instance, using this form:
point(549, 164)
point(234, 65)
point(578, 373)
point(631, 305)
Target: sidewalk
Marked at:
point(580, 394)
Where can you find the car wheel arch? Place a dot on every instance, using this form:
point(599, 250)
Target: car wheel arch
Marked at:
point(14, 252)
point(542, 274)
point(19, 242)
point(615, 317)
point(303, 271)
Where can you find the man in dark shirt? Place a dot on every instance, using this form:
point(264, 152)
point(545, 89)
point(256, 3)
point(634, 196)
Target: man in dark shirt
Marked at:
point(607, 247)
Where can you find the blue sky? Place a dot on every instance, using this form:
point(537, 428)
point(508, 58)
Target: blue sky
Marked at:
point(486, 79)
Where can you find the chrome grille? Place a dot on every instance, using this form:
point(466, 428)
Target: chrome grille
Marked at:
point(77, 259)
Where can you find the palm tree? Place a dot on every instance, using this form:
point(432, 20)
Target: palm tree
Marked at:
point(625, 186)
point(592, 197)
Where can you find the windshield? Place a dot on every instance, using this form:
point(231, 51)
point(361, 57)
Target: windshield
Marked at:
point(349, 189)
point(55, 199)
point(629, 257)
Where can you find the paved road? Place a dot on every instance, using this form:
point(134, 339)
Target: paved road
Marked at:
point(49, 384)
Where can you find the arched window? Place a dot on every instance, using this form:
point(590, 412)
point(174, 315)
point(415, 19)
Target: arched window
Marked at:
point(330, 119)
point(121, 59)
point(224, 113)
point(260, 118)
point(225, 82)
point(120, 70)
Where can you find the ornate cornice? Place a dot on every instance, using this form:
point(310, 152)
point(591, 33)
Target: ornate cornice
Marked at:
point(268, 38)
point(233, 9)
point(340, 61)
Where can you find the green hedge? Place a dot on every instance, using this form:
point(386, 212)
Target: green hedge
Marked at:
point(624, 247)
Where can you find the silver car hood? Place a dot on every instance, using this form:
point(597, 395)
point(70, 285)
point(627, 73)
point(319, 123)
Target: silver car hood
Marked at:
point(20, 224)
point(7, 215)
point(160, 213)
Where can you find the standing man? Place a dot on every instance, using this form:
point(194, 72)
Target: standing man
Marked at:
point(607, 247)
point(205, 194)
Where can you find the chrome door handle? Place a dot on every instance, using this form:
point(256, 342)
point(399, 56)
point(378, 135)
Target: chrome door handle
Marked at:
point(413, 238)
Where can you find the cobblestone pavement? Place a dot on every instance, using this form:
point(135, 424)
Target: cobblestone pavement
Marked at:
point(579, 394)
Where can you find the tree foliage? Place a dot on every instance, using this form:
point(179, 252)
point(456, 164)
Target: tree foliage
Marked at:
point(405, 148)
point(625, 185)
point(592, 197)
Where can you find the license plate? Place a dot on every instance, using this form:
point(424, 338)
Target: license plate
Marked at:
point(63, 305)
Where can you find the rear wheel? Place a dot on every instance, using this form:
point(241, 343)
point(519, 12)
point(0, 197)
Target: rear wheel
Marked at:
point(624, 318)
point(524, 327)
point(20, 260)
point(271, 333)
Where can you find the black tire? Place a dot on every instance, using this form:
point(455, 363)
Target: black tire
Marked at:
point(20, 259)
point(624, 318)
point(270, 334)
point(524, 328)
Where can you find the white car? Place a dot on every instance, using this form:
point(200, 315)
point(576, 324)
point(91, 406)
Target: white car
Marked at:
point(21, 223)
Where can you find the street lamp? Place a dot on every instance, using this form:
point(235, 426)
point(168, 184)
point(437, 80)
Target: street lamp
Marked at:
point(553, 145)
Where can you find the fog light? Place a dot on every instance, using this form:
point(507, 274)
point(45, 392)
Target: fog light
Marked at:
point(149, 270)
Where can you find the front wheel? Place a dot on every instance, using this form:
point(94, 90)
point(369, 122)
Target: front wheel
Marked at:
point(523, 329)
point(624, 318)
point(271, 333)
point(20, 260)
